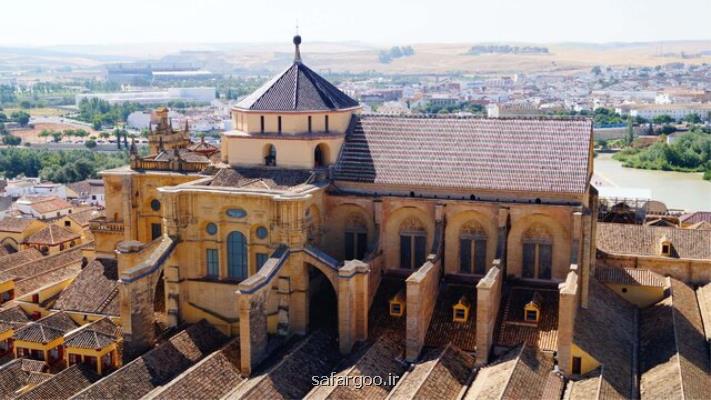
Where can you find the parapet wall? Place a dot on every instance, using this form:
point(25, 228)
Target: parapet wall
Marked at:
point(422, 289)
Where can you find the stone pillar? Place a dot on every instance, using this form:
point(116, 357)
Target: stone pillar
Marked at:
point(252, 329)
point(299, 297)
point(352, 294)
point(422, 289)
point(588, 244)
point(172, 294)
point(488, 300)
point(567, 310)
point(503, 222)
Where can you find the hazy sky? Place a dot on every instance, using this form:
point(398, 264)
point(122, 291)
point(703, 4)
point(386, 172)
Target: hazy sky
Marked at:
point(46, 22)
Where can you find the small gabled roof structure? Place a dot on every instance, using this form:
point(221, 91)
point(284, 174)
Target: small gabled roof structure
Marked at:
point(46, 329)
point(94, 290)
point(96, 335)
point(52, 235)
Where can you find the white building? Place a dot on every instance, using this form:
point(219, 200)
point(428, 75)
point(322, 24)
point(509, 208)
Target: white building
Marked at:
point(43, 207)
point(677, 111)
point(196, 94)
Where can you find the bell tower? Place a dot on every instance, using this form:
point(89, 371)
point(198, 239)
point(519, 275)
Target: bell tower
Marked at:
point(162, 136)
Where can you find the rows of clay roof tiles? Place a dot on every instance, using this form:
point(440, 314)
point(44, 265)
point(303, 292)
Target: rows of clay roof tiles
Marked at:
point(512, 332)
point(93, 290)
point(95, 335)
point(158, 366)
point(443, 329)
point(46, 329)
point(17, 373)
point(629, 276)
point(17, 225)
point(21, 257)
point(501, 155)
point(52, 235)
point(63, 385)
point(42, 265)
point(674, 354)
point(441, 374)
point(49, 204)
point(645, 240)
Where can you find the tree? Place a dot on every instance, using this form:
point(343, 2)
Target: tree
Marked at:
point(11, 140)
point(663, 119)
point(629, 135)
point(3, 117)
point(56, 136)
point(596, 70)
point(20, 117)
point(692, 118)
point(25, 104)
point(90, 144)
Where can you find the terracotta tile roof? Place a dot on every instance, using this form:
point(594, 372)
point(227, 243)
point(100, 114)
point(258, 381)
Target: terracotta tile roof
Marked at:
point(674, 358)
point(62, 385)
point(443, 329)
point(46, 329)
point(158, 366)
point(203, 147)
point(297, 88)
point(183, 154)
point(586, 388)
point(50, 204)
point(211, 378)
point(468, 153)
point(695, 217)
point(379, 319)
point(441, 374)
point(13, 318)
point(52, 235)
point(606, 330)
point(94, 290)
point(703, 225)
point(261, 178)
point(21, 257)
point(646, 240)
point(291, 377)
point(42, 265)
point(514, 330)
point(383, 358)
point(87, 187)
point(17, 225)
point(27, 285)
point(82, 217)
point(630, 276)
point(522, 373)
point(15, 374)
point(95, 335)
point(703, 295)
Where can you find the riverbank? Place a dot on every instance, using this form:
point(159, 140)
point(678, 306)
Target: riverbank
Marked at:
point(683, 190)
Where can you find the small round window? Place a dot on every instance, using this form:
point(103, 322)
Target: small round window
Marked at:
point(211, 228)
point(155, 205)
point(262, 232)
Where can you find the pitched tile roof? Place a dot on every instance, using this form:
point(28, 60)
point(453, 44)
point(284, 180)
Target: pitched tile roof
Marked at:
point(11, 224)
point(290, 378)
point(49, 204)
point(94, 290)
point(15, 375)
point(264, 178)
point(13, 318)
point(297, 88)
point(52, 235)
point(62, 385)
point(522, 373)
point(46, 329)
point(606, 330)
point(674, 357)
point(468, 153)
point(183, 154)
point(95, 335)
point(82, 217)
point(513, 330)
point(630, 276)
point(87, 187)
point(42, 265)
point(211, 378)
point(646, 240)
point(441, 374)
point(21, 257)
point(695, 217)
point(158, 366)
point(443, 329)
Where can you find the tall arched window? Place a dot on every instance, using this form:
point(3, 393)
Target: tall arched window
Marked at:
point(356, 237)
point(270, 155)
point(236, 256)
point(320, 155)
point(472, 249)
point(413, 240)
point(537, 253)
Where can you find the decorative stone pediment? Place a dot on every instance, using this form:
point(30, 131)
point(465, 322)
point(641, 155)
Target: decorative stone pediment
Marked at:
point(411, 224)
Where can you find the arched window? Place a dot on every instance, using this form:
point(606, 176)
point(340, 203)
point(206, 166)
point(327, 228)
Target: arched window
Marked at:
point(320, 156)
point(270, 155)
point(537, 253)
point(356, 237)
point(413, 240)
point(472, 249)
point(236, 256)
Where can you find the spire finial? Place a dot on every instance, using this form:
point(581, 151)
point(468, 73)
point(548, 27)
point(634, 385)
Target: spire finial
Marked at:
point(297, 42)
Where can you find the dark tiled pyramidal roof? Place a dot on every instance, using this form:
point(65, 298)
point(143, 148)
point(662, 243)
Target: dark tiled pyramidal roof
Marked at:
point(298, 88)
point(468, 153)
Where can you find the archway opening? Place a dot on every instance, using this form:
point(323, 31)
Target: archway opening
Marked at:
point(159, 299)
point(321, 156)
point(270, 155)
point(323, 302)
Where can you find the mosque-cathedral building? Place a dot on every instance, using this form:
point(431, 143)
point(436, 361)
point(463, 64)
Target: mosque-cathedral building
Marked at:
point(462, 255)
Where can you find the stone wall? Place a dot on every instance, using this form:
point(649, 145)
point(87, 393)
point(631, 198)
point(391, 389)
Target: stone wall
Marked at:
point(685, 270)
point(488, 301)
point(567, 310)
point(422, 288)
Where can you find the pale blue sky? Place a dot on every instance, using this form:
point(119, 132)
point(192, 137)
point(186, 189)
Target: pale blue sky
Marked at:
point(46, 22)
